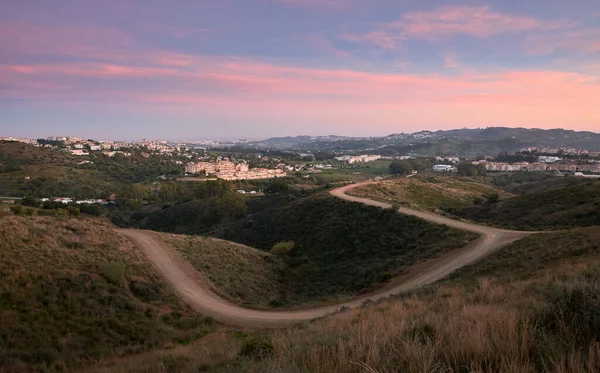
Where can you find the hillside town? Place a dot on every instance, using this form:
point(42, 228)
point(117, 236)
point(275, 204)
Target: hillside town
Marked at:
point(227, 170)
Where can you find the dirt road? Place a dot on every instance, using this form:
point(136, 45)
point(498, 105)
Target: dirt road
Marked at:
point(188, 283)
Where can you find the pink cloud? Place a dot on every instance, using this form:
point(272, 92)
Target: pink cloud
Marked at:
point(448, 21)
point(250, 81)
point(581, 41)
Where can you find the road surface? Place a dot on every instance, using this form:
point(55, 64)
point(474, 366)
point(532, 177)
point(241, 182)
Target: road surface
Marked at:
point(188, 283)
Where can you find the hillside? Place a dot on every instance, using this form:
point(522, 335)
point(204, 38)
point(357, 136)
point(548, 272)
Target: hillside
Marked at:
point(550, 209)
point(530, 182)
point(531, 307)
point(430, 192)
point(72, 292)
point(27, 170)
point(20, 154)
point(464, 141)
point(242, 274)
point(341, 248)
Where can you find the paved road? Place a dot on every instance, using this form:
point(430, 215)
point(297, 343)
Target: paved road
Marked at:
point(195, 292)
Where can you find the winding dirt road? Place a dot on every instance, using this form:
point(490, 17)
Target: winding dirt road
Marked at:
point(188, 283)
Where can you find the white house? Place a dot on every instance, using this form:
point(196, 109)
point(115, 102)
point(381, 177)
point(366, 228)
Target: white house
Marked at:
point(443, 167)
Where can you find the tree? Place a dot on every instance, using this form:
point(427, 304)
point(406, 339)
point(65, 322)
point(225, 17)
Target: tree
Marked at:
point(136, 192)
point(469, 169)
point(283, 248)
point(276, 186)
point(30, 201)
point(400, 168)
point(421, 164)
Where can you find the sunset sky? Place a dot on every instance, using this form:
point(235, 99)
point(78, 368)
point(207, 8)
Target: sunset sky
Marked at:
point(215, 69)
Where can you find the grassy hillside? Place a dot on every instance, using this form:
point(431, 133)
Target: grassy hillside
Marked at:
point(240, 273)
point(430, 192)
point(531, 307)
point(530, 182)
point(73, 291)
point(341, 248)
point(552, 209)
point(27, 170)
point(19, 154)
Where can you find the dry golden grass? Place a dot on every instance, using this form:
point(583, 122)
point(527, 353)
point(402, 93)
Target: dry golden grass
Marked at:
point(240, 273)
point(429, 192)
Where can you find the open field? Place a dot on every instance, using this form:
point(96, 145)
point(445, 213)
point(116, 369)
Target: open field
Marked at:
point(354, 172)
point(239, 273)
point(430, 192)
point(73, 292)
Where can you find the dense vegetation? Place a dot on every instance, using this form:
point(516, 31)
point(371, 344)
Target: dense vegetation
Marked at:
point(338, 250)
point(558, 208)
point(196, 216)
point(71, 290)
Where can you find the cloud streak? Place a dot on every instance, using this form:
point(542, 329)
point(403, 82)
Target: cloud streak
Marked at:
point(449, 21)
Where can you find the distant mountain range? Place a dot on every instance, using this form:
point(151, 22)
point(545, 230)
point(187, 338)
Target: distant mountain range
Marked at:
point(464, 141)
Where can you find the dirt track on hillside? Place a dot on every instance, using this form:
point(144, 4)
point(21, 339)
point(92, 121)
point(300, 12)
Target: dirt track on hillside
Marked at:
point(188, 283)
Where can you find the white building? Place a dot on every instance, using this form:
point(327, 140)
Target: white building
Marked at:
point(443, 168)
point(350, 159)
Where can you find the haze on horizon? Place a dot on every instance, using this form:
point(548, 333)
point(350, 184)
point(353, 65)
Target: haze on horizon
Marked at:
point(261, 68)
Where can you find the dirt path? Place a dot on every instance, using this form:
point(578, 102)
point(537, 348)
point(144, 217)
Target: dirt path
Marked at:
point(189, 284)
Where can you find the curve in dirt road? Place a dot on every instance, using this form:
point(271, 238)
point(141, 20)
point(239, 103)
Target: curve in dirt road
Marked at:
point(188, 283)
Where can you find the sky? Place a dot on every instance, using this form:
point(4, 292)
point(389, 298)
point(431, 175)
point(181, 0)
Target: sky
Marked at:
point(221, 69)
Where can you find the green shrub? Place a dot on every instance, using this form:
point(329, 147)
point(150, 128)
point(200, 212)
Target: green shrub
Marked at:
point(30, 211)
point(113, 272)
point(73, 211)
point(61, 212)
point(493, 198)
point(30, 201)
point(17, 209)
point(3, 212)
point(147, 292)
point(257, 348)
point(283, 248)
point(276, 303)
point(89, 209)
